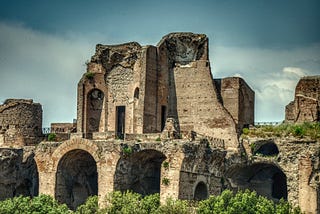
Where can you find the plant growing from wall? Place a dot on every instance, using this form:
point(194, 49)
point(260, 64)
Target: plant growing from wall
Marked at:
point(166, 165)
point(89, 75)
point(158, 139)
point(165, 181)
point(52, 137)
point(127, 150)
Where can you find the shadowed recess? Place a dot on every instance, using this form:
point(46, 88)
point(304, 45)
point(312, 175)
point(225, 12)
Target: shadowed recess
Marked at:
point(76, 178)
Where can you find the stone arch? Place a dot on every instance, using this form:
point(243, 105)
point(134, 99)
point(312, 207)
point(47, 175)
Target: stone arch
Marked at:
point(266, 179)
point(94, 110)
point(28, 184)
point(200, 192)
point(79, 143)
point(139, 172)
point(76, 178)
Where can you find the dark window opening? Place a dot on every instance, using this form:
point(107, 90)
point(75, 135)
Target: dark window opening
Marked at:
point(163, 116)
point(120, 122)
point(267, 149)
point(136, 93)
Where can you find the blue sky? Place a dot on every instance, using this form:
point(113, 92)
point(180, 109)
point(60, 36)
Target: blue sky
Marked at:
point(44, 44)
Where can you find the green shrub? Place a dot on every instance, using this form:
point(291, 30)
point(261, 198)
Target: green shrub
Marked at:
point(245, 131)
point(158, 139)
point(244, 202)
point(150, 203)
point(174, 207)
point(41, 204)
point(52, 137)
point(89, 207)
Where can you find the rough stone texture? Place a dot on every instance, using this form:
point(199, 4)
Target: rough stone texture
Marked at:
point(238, 98)
point(18, 173)
point(63, 131)
point(20, 123)
point(179, 128)
point(306, 104)
point(298, 160)
point(130, 89)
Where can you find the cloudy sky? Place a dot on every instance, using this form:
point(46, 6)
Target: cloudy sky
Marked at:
point(44, 44)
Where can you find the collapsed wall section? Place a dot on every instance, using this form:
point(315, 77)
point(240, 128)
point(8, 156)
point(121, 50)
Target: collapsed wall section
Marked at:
point(192, 98)
point(238, 98)
point(305, 107)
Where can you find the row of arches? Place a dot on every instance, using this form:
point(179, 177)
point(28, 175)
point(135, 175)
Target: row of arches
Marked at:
point(77, 177)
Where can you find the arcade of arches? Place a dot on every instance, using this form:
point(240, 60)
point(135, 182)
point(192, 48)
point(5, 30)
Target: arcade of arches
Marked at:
point(75, 169)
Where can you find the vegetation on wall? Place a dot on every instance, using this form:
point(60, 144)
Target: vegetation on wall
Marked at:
point(89, 75)
point(52, 137)
point(303, 130)
point(133, 203)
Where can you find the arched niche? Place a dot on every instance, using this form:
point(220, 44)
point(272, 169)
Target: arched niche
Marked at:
point(95, 106)
point(265, 148)
point(139, 172)
point(76, 178)
point(136, 93)
point(200, 192)
point(265, 178)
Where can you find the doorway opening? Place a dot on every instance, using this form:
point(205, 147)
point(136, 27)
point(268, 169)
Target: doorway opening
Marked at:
point(120, 121)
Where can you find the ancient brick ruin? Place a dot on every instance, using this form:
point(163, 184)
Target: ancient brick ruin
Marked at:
point(306, 104)
point(152, 119)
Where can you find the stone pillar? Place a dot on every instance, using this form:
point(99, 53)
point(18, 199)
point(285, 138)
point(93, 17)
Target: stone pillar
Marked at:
point(170, 177)
point(307, 194)
point(106, 171)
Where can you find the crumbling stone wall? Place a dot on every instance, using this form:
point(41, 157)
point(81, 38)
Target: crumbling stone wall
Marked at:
point(18, 173)
point(20, 123)
point(143, 87)
point(306, 104)
point(298, 160)
point(238, 98)
point(193, 100)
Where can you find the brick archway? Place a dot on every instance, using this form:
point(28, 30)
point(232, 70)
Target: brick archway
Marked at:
point(73, 144)
point(76, 167)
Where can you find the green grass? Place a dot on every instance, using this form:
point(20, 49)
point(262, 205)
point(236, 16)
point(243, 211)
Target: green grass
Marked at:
point(303, 130)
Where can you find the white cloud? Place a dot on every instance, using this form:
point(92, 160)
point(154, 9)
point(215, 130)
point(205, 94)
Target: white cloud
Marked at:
point(294, 70)
point(273, 74)
point(47, 68)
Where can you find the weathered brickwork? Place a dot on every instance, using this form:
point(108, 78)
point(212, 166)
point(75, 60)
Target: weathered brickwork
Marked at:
point(238, 98)
point(130, 89)
point(20, 123)
point(152, 119)
point(18, 173)
point(306, 104)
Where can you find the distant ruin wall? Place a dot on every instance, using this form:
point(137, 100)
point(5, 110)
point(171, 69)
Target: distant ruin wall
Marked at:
point(306, 104)
point(20, 122)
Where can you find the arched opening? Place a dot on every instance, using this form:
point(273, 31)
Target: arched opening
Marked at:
point(201, 192)
point(17, 177)
point(76, 178)
point(266, 179)
point(136, 93)
point(266, 149)
point(28, 184)
point(95, 105)
point(139, 172)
